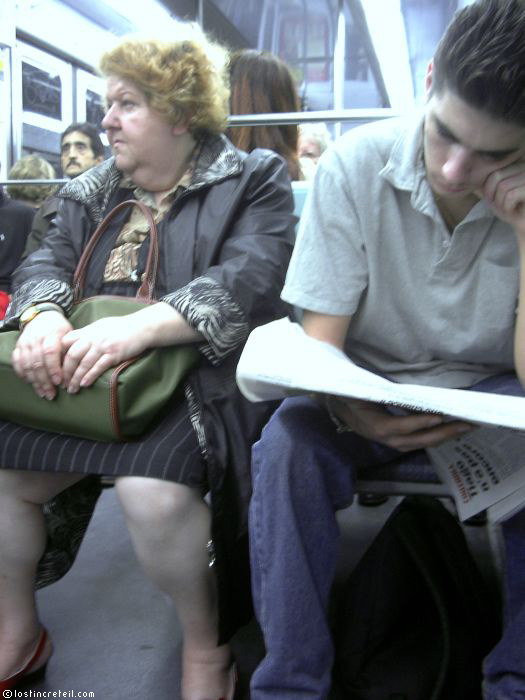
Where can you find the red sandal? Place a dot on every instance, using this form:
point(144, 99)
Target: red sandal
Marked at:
point(25, 674)
point(233, 683)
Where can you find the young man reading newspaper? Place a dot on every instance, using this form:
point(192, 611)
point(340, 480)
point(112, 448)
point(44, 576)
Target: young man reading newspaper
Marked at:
point(408, 258)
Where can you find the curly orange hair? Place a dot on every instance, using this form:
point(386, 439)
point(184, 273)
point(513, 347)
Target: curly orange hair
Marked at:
point(185, 80)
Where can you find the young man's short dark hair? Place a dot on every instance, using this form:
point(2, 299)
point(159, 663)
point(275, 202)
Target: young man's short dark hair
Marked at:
point(90, 131)
point(481, 58)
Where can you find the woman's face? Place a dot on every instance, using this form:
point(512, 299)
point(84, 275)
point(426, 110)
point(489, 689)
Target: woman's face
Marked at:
point(142, 140)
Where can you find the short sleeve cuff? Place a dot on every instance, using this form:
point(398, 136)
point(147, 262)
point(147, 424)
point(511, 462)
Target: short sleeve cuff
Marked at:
point(317, 303)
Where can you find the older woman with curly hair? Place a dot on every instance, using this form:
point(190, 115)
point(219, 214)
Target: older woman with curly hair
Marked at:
point(31, 167)
point(225, 228)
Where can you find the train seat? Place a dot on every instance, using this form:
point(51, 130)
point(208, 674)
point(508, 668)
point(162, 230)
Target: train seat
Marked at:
point(409, 474)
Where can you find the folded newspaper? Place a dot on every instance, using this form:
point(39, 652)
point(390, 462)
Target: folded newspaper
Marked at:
point(483, 468)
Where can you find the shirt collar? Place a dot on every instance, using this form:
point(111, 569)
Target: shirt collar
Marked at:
point(405, 170)
point(405, 167)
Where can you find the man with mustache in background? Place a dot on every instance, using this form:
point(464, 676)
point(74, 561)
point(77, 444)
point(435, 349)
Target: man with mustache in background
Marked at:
point(80, 149)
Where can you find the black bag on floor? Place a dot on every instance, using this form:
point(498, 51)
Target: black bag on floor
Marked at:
point(67, 517)
point(416, 617)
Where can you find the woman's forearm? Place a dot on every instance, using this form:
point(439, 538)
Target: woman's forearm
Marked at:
point(164, 325)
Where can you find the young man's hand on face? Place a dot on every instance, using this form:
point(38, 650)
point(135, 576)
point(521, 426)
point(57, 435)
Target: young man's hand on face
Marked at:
point(504, 190)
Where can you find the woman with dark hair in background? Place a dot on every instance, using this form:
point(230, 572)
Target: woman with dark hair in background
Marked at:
point(262, 83)
point(15, 224)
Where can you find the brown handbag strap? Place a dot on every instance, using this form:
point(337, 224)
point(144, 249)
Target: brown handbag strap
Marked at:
point(147, 287)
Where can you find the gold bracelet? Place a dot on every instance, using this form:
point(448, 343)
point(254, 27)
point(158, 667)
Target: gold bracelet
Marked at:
point(32, 312)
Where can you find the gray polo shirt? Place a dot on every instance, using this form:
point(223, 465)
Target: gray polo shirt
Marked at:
point(428, 307)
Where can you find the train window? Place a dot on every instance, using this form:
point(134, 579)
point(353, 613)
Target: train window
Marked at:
point(42, 101)
point(45, 83)
point(41, 91)
point(301, 33)
point(94, 108)
point(306, 43)
point(308, 36)
point(90, 100)
point(304, 35)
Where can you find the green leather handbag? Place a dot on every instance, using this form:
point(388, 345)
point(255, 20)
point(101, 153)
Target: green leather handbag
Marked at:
point(124, 400)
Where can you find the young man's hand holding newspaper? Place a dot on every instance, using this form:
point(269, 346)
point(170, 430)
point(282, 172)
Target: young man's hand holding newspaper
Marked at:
point(483, 468)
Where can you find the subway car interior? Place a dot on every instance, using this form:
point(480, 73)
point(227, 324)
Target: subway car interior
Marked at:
point(114, 634)
point(351, 55)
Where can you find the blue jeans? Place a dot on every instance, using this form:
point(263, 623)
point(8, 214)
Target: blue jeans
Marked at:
point(302, 474)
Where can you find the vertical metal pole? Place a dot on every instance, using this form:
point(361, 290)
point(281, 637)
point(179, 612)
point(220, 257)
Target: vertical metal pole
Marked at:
point(200, 13)
point(74, 88)
point(339, 63)
point(262, 27)
point(10, 116)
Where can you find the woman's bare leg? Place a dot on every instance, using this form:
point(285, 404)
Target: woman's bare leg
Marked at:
point(170, 527)
point(22, 543)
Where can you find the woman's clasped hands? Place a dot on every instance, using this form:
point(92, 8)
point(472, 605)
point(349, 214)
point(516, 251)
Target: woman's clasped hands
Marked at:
point(50, 353)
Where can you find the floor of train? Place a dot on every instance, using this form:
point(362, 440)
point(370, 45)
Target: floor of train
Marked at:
point(117, 637)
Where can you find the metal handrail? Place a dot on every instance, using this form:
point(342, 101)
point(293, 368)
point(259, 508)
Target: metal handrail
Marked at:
point(34, 182)
point(329, 115)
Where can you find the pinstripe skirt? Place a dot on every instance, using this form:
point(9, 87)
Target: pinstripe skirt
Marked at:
point(170, 450)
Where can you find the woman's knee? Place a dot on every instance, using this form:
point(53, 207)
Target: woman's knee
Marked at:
point(34, 487)
point(147, 501)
